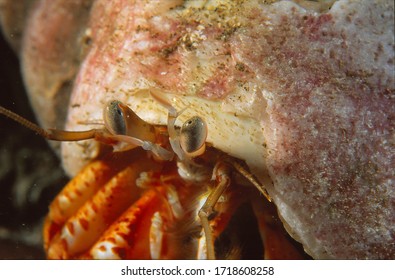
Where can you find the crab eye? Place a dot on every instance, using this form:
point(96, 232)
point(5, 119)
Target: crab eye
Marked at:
point(193, 136)
point(114, 118)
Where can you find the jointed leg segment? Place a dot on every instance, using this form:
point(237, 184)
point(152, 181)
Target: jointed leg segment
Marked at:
point(250, 178)
point(222, 176)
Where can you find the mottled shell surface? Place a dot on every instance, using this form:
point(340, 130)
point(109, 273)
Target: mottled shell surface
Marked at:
point(302, 92)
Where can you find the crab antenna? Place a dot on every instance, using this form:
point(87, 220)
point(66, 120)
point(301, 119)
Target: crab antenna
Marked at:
point(50, 134)
point(21, 120)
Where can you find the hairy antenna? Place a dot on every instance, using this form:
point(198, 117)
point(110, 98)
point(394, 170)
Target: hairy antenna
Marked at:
point(42, 132)
point(50, 134)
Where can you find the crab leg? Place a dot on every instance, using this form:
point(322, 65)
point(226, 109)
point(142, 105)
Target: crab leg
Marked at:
point(128, 236)
point(221, 174)
point(74, 195)
point(79, 190)
point(250, 178)
point(86, 225)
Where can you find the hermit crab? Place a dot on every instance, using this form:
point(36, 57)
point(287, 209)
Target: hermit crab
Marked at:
point(297, 98)
point(100, 212)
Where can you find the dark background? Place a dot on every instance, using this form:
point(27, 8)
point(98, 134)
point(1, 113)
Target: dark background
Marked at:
point(30, 173)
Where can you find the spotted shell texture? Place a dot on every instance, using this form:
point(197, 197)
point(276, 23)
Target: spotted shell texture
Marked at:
point(302, 91)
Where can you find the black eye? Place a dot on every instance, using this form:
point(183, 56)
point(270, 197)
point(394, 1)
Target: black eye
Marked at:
point(193, 136)
point(114, 118)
